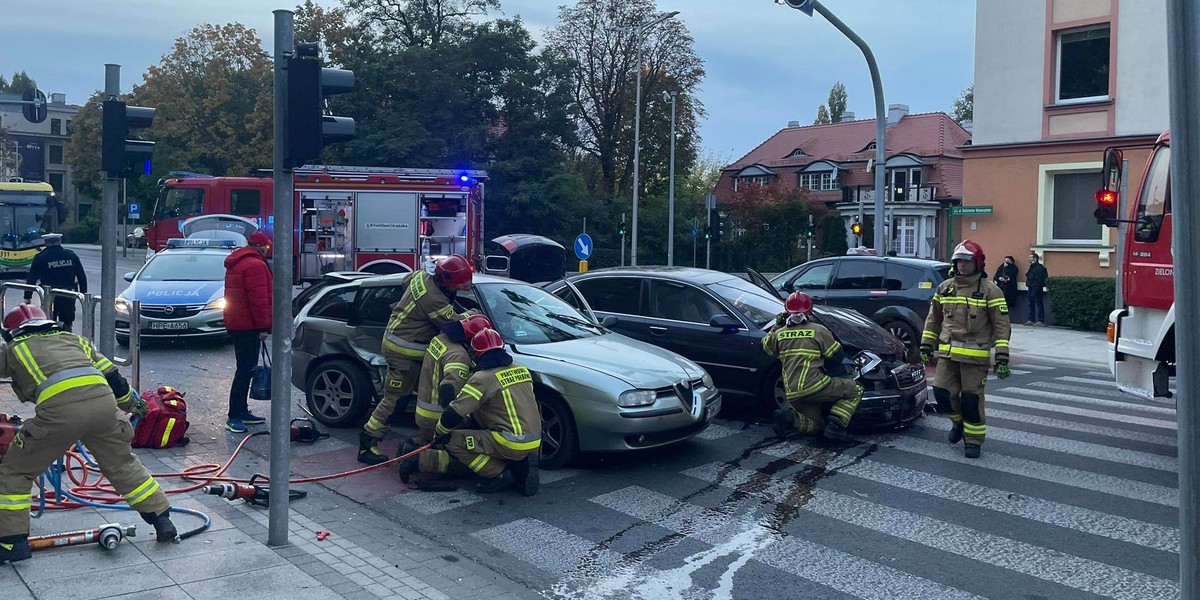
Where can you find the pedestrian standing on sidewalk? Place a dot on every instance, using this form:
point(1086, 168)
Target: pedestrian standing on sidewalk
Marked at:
point(1035, 280)
point(248, 321)
point(1006, 280)
point(967, 320)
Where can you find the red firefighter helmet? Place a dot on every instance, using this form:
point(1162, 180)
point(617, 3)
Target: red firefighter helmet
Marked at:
point(453, 272)
point(968, 250)
point(486, 340)
point(474, 324)
point(799, 303)
point(23, 315)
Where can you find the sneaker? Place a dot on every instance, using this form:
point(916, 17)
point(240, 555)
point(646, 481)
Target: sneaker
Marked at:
point(235, 425)
point(14, 548)
point(783, 422)
point(972, 450)
point(252, 419)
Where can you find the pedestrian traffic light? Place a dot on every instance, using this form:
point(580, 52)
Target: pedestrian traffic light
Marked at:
point(34, 107)
point(1106, 207)
point(308, 128)
point(119, 156)
point(856, 228)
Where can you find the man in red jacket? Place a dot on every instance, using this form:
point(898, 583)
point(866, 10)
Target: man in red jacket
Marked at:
point(248, 320)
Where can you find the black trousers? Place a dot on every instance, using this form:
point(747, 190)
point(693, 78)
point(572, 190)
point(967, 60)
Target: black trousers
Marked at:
point(64, 311)
point(245, 352)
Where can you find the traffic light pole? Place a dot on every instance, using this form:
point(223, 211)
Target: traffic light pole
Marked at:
point(1183, 44)
point(108, 235)
point(281, 323)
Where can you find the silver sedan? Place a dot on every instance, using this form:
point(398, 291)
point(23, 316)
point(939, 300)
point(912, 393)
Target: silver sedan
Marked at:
point(598, 390)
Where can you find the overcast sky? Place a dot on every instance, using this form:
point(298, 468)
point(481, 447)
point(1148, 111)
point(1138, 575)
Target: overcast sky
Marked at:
point(767, 64)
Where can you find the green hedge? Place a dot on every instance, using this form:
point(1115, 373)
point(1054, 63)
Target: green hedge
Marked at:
point(86, 232)
point(1082, 303)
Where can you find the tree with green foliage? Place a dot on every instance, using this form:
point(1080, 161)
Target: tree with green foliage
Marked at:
point(765, 229)
point(834, 107)
point(833, 236)
point(420, 23)
point(20, 82)
point(964, 106)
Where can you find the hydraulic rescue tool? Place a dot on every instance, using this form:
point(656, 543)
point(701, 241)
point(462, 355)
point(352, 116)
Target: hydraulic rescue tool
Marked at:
point(107, 536)
point(305, 431)
point(251, 492)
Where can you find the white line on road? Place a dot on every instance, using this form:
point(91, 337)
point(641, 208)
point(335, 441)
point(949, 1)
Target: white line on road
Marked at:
point(1096, 482)
point(1154, 410)
point(1091, 392)
point(1116, 432)
point(1096, 382)
point(1080, 412)
point(843, 572)
point(1066, 446)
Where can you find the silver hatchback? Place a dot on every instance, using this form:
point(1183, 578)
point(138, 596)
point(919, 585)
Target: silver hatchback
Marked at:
point(598, 391)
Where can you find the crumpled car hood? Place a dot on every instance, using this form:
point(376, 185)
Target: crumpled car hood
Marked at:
point(641, 365)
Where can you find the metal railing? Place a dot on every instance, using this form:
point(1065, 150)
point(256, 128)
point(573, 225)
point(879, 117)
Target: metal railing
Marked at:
point(912, 193)
point(86, 312)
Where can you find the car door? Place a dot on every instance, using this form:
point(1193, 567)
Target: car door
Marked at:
point(858, 284)
point(679, 316)
point(616, 296)
point(813, 281)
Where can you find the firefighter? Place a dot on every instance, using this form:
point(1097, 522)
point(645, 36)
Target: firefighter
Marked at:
point(446, 368)
point(810, 358)
point(421, 312)
point(79, 395)
point(58, 268)
point(968, 319)
point(503, 445)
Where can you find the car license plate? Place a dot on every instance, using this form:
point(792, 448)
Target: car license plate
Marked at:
point(168, 325)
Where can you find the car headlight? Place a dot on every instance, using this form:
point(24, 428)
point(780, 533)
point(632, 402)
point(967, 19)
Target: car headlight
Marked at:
point(218, 304)
point(707, 380)
point(636, 398)
point(122, 306)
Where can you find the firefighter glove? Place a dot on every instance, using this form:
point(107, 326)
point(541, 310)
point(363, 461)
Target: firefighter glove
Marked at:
point(926, 353)
point(1002, 368)
point(137, 406)
point(781, 319)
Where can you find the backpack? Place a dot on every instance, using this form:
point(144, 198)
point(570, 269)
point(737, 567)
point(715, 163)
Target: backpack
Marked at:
point(165, 422)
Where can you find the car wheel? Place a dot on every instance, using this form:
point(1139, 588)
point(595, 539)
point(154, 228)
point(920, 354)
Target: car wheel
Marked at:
point(560, 444)
point(907, 336)
point(338, 393)
point(774, 395)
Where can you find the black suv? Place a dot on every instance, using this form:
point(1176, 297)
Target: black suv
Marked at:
point(894, 292)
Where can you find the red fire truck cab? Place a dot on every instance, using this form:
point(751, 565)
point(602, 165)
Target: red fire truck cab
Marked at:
point(1141, 331)
point(374, 219)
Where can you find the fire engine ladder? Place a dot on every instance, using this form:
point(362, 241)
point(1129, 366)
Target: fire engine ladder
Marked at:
point(398, 171)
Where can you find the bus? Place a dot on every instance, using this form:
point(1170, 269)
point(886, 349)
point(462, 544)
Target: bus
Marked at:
point(24, 207)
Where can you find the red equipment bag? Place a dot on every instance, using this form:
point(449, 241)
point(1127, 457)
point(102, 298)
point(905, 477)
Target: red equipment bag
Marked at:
point(165, 422)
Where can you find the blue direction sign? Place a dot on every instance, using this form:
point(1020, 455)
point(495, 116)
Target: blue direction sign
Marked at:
point(583, 246)
point(135, 211)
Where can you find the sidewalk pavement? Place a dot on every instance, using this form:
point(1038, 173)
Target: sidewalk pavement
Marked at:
point(1058, 345)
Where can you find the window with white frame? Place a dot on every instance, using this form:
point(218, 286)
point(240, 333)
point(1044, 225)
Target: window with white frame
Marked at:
point(820, 182)
point(906, 236)
point(1071, 198)
point(1083, 56)
point(752, 181)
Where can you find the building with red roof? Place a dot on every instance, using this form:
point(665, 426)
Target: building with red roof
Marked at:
point(836, 162)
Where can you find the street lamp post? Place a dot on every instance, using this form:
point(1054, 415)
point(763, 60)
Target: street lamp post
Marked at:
point(671, 97)
point(637, 127)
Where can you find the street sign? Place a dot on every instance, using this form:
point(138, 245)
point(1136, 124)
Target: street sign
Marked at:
point(971, 210)
point(695, 232)
point(583, 246)
point(34, 105)
point(135, 211)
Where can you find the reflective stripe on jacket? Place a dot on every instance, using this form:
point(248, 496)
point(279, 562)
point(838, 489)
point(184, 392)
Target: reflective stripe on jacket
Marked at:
point(968, 318)
point(47, 364)
point(802, 350)
point(419, 315)
point(502, 400)
point(445, 362)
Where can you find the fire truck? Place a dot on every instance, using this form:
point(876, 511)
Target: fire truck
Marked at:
point(1141, 331)
point(375, 219)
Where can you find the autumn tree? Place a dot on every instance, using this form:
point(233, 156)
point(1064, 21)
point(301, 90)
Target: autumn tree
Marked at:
point(329, 27)
point(601, 39)
point(964, 106)
point(834, 107)
point(765, 228)
point(83, 153)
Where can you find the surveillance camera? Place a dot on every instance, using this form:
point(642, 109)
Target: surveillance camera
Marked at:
point(805, 5)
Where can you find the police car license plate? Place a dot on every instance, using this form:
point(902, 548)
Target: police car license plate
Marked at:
point(168, 325)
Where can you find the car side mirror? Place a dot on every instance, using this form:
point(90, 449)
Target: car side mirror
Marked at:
point(725, 323)
point(608, 321)
point(788, 287)
point(129, 276)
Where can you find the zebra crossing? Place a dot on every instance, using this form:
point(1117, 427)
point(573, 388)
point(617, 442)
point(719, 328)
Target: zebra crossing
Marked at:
point(1075, 497)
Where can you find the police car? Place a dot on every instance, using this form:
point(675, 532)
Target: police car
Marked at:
point(182, 288)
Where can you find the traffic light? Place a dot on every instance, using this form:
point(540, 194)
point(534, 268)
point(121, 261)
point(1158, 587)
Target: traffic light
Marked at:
point(809, 231)
point(856, 227)
point(35, 107)
point(1106, 207)
point(121, 157)
point(715, 227)
point(621, 228)
point(707, 233)
point(309, 129)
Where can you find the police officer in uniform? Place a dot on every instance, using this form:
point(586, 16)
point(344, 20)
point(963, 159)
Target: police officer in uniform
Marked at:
point(78, 395)
point(58, 268)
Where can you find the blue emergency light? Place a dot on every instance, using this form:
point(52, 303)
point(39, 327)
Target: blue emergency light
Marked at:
point(200, 243)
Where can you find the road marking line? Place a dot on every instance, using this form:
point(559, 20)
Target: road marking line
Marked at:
point(1115, 394)
point(1115, 432)
point(1153, 410)
point(1109, 383)
point(1081, 412)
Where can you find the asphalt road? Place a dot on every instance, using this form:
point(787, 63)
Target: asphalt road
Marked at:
point(1075, 497)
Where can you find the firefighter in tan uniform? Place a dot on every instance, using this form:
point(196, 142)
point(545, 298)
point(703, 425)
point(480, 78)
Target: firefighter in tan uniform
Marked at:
point(504, 441)
point(809, 354)
point(446, 368)
point(421, 312)
point(78, 395)
point(968, 319)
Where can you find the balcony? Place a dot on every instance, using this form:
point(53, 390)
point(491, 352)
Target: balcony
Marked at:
point(866, 194)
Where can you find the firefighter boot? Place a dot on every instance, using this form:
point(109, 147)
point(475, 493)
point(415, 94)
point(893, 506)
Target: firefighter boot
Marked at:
point(368, 449)
point(972, 450)
point(525, 472)
point(490, 485)
point(956, 432)
point(14, 548)
point(411, 465)
point(783, 422)
point(164, 529)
